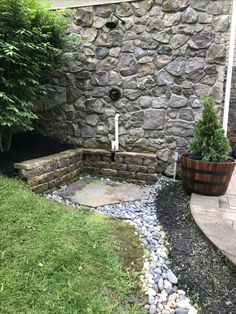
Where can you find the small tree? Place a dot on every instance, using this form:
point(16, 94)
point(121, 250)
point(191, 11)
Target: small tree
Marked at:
point(209, 142)
point(31, 39)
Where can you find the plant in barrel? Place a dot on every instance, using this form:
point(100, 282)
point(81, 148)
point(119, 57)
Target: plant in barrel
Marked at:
point(207, 169)
point(209, 142)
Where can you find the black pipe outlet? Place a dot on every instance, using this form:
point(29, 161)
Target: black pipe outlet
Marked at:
point(115, 94)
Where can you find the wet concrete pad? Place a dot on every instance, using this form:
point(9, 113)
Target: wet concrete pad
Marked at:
point(98, 192)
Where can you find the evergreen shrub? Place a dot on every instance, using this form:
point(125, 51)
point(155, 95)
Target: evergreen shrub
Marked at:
point(209, 142)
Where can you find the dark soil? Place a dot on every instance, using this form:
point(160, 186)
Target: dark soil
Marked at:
point(28, 146)
point(201, 269)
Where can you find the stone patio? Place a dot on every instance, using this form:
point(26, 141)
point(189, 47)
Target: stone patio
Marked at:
point(228, 203)
point(99, 192)
point(216, 217)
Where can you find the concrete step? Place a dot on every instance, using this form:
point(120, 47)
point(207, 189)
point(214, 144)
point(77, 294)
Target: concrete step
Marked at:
point(208, 216)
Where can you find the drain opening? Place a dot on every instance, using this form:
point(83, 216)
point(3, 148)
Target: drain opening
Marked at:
point(113, 155)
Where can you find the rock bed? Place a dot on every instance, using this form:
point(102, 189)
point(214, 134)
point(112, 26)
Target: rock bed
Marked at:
point(158, 281)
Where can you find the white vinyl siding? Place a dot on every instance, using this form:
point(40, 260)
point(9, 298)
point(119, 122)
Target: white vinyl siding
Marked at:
point(235, 52)
point(61, 4)
point(228, 38)
point(235, 36)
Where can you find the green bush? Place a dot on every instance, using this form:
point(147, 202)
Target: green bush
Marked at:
point(209, 142)
point(31, 39)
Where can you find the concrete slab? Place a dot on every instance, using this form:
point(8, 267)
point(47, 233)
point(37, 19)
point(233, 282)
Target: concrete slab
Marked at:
point(224, 202)
point(234, 225)
point(216, 229)
point(208, 201)
point(98, 192)
point(232, 201)
point(229, 215)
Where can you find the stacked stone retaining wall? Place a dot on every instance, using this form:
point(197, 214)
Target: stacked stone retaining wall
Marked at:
point(132, 167)
point(48, 173)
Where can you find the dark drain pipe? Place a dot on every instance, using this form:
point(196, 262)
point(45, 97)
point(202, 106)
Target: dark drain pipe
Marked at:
point(113, 156)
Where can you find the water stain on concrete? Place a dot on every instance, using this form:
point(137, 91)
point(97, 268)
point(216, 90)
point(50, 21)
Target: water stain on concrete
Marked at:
point(98, 192)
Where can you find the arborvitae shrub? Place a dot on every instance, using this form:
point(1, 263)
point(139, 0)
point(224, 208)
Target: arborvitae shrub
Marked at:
point(209, 142)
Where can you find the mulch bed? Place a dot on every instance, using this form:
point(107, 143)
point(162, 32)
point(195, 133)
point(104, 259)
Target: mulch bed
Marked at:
point(201, 269)
point(28, 146)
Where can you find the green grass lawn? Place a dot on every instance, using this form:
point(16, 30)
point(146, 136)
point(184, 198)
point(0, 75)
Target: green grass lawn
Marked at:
point(60, 259)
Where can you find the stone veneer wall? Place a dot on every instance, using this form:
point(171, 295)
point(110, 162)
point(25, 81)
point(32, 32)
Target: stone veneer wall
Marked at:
point(167, 55)
point(48, 173)
point(232, 111)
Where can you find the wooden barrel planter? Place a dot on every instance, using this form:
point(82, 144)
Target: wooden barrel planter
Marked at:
point(206, 178)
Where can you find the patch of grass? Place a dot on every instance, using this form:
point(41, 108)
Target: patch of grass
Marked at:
point(60, 259)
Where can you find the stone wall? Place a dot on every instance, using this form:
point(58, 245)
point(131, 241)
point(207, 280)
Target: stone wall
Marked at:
point(48, 173)
point(232, 111)
point(167, 55)
point(131, 167)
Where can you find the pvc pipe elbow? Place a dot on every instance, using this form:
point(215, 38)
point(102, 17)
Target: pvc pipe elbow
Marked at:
point(117, 116)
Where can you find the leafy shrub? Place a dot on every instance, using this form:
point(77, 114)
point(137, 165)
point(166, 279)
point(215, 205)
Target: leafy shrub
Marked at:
point(31, 39)
point(209, 142)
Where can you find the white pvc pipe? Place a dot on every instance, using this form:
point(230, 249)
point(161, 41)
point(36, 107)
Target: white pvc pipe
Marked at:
point(117, 130)
point(230, 68)
point(115, 143)
point(175, 164)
